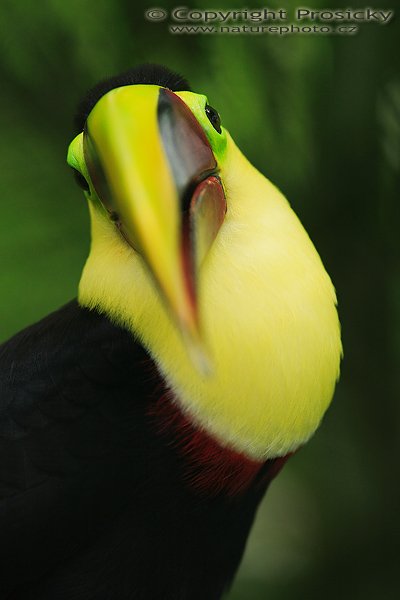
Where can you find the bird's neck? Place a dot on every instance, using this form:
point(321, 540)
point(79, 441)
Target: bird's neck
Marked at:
point(268, 315)
point(207, 466)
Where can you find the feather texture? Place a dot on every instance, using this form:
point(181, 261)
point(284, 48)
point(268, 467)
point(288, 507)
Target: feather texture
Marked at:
point(95, 503)
point(147, 74)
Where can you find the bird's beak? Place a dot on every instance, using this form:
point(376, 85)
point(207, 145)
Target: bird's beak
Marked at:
point(153, 169)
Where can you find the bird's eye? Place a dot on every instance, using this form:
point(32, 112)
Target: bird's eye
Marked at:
point(80, 180)
point(213, 117)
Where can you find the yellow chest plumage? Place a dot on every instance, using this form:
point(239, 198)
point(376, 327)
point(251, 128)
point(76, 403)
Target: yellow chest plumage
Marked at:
point(268, 314)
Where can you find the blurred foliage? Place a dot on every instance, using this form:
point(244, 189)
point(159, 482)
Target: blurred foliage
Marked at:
point(320, 116)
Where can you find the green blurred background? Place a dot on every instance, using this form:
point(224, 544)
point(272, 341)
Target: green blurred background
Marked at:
point(320, 116)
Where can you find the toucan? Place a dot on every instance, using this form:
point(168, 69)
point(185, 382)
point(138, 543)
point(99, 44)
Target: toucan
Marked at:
point(142, 422)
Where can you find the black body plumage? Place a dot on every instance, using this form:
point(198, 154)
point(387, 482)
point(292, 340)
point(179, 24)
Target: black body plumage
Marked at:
point(94, 503)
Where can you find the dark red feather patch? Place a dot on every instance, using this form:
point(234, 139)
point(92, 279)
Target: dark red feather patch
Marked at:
point(209, 467)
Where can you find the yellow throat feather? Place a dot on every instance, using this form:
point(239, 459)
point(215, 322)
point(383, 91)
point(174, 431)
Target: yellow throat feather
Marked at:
point(268, 312)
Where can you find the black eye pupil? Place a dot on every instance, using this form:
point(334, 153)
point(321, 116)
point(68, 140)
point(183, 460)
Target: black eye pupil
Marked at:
point(213, 117)
point(81, 181)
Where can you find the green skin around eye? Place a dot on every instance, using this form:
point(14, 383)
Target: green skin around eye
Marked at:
point(76, 160)
point(75, 157)
point(197, 104)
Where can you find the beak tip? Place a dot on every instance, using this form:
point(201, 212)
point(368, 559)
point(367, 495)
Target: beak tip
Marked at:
point(199, 355)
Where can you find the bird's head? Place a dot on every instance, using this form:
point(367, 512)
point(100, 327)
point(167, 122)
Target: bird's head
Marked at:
point(149, 160)
point(195, 252)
